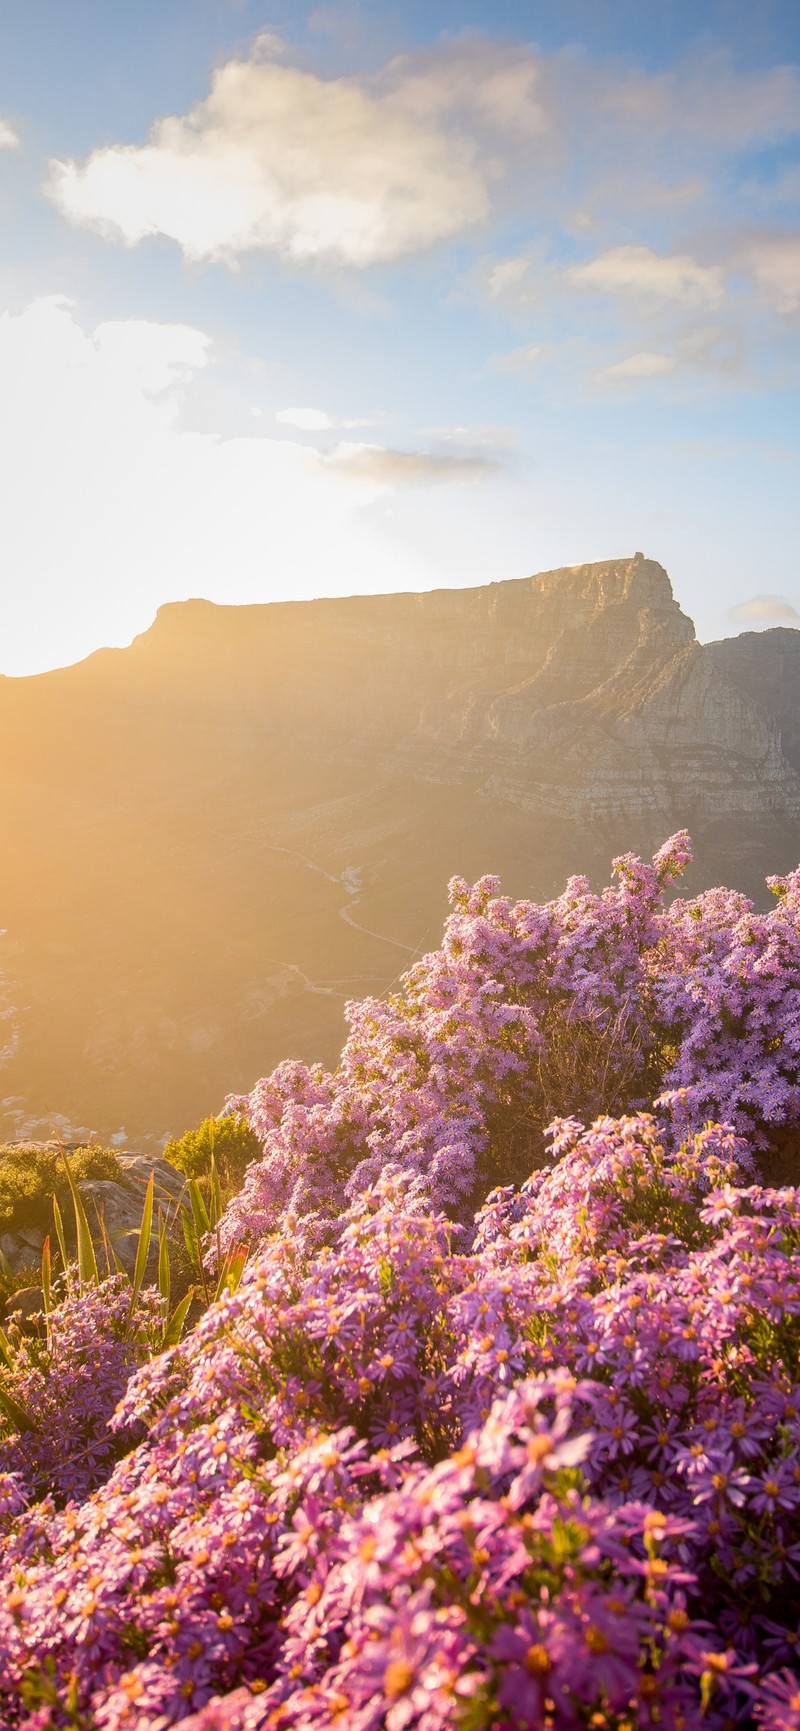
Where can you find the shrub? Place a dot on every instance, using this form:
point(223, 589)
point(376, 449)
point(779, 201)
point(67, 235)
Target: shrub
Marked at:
point(231, 1142)
point(586, 1004)
point(31, 1174)
point(549, 1482)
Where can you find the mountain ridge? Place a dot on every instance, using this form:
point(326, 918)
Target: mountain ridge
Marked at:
point(250, 814)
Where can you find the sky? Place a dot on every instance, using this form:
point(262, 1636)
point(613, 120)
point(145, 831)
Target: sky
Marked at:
point(301, 301)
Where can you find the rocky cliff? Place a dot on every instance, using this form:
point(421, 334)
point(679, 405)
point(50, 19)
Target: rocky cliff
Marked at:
point(216, 836)
point(765, 665)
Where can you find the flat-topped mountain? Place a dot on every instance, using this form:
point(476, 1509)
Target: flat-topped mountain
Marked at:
point(214, 837)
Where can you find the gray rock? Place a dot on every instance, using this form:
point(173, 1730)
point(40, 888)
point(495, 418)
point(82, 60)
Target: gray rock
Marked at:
point(17, 1251)
point(26, 1307)
point(117, 1210)
point(170, 1185)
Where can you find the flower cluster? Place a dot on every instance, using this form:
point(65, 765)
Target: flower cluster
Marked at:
point(592, 1002)
point(60, 1388)
point(496, 1431)
point(543, 1473)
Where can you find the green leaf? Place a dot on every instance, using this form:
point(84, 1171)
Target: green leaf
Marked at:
point(174, 1329)
point(6, 1350)
point(62, 1243)
point(88, 1274)
point(164, 1271)
point(47, 1290)
point(202, 1224)
point(232, 1270)
point(143, 1246)
point(190, 1235)
point(216, 1192)
point(16, 1413)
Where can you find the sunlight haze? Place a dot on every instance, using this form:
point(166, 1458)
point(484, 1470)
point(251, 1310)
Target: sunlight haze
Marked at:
point(357, 299)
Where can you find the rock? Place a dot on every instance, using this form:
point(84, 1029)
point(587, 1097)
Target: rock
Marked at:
point(766, 666)
point(25, 1307)
point(170, 1185)
point(117, 1211)
point(18, 1252)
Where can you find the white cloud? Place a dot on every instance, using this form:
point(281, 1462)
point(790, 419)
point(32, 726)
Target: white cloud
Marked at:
point(507, 274)
point(9, 139)
point(354, 171)
point(517, 360)
point(310, 420)
point(635, 369)
point(316, 420)
point(111, 506)
point(408, 468)
point(638, 271)
point(763, 609)
point(473, 438)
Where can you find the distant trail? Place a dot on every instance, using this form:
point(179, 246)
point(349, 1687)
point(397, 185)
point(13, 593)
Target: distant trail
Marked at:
point(350, 882)
point(345, 914)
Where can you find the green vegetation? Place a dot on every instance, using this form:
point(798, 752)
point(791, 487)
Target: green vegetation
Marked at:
point(228, 1142)
point(30, 1176)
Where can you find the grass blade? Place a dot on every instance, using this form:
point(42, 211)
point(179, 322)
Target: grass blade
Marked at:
point(47, 1287)
point(88, 1274)
point(16, 1413)
point(164, 1269)
point(174, 1329)
point(202, 1224)
point(216, 1193)
point(62, 1243)
point(232, 1270)
point(143, 1246)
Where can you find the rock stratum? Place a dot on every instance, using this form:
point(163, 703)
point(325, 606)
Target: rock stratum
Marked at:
point(216, 836)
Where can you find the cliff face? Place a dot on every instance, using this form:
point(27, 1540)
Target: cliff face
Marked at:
point(765, 665)
point(216, 836)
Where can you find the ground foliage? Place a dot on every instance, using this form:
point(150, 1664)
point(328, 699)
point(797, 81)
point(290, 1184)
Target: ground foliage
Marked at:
point(32, 1173)
point(534, 1467)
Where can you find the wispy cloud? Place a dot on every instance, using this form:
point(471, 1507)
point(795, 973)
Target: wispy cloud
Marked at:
point(9, 138)
point(520, 360)
point(635, 368)
point(774, 260)
point(764, 610)
point(650, 276)
point(394, 468)
point(310, 420)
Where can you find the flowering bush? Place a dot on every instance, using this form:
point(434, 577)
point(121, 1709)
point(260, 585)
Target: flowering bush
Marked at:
point(593, 1002)
point(551, 1479)
point(534, 1465)
point(59, 1390)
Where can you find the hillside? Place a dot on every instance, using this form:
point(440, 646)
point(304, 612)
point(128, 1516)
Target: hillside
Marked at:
point(217, 835)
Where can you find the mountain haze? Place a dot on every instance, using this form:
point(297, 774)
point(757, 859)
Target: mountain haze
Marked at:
point(217, 835)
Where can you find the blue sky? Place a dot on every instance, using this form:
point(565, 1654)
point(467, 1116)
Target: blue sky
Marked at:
point(300, 301)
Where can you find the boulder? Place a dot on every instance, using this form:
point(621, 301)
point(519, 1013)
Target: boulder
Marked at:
point(18, 1252)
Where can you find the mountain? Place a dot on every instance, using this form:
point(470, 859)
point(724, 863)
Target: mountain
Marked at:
point(216, 836)
point(766, 666)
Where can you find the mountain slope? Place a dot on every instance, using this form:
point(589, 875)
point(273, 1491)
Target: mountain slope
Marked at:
point(216, 836)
